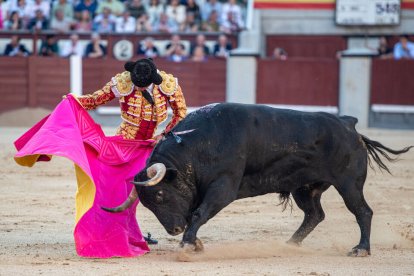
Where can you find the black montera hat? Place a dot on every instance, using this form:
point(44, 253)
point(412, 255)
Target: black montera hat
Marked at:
point(143, 72)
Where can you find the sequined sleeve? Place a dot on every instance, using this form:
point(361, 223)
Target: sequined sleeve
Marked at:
point(100, 97)
point(178, 106)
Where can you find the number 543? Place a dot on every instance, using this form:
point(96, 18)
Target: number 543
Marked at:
point(382, 8)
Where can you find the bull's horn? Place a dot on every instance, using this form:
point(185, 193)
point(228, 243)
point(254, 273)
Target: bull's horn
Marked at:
point(127, 203)
point(155, 173)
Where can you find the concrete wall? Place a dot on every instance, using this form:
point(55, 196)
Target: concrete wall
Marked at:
point(323, 22)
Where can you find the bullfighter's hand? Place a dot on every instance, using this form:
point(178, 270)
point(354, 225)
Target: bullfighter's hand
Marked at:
point(157, 138)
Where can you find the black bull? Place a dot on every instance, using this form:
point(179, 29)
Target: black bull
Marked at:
point(232, 151)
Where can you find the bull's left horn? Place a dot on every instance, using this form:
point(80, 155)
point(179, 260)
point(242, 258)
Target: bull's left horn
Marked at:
point(155, 173)
point(127, 203)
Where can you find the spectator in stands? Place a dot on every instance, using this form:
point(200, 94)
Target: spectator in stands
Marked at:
point(190, 24)
point(279, 54)
point(209, 7)
point(33, 6)
point(95, 49)
point(173, 44)
point(199, 55)
point(20, 8)
point(178, 54)
point(65, 7)
point(60, 23)
point(85, 23)
point(38, 23)
point(154, 10)
point(136, 8)
point(404, 49)
point(125, 23)
point(72, 47)
point(176, 12)
point(49, 47)
point(148, 49)
point(212, 24)
point(194, 8)
point(230, 25)
point(222, 48)
point(116, 7)
point(14, 23)
point(384, 50)
point(231, 17)
point(143, 24)
point(165, 24)
point(15, 48)
point(104, 23)
point(200, 42)
point(86, 5)
point(1, 14)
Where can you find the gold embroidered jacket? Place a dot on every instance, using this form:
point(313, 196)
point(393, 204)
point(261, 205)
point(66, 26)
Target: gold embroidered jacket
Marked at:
point(140, 118)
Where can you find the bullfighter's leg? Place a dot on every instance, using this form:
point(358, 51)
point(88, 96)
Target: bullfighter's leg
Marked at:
point(309, 201)
point(355, 202)
point(214, 201)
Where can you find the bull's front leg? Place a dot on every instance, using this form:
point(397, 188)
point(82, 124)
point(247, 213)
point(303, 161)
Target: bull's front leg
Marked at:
point(220, 193)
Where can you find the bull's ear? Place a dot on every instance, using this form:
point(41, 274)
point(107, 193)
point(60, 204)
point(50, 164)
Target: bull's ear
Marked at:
point(170, 174)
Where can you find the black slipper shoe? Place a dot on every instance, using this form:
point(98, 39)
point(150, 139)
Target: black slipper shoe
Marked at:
point(149, 240)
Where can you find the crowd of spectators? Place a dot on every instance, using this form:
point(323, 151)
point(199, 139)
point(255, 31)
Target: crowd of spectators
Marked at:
point(123, 16)
point(174, 51)
point(403, 49)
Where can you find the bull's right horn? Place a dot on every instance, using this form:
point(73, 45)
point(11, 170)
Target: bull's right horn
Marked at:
point(155, 173)
point(127, 203)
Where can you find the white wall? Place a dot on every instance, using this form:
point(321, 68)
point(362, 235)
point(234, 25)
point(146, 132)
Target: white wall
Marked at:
point(323, 22)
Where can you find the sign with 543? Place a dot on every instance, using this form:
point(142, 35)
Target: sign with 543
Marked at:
point(368, 12)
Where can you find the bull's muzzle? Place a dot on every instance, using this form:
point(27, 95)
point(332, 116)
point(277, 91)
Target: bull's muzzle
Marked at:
point(155, 174)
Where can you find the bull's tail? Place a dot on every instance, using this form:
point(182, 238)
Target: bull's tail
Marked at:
point(375, 149)
point(285, 201)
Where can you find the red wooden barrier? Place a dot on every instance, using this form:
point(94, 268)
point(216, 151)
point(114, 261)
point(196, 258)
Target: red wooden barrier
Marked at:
point(392, 82)
point(49, 80)
point(13, 83)
point(322, 46)
point(298, 82)
point(202, 83)
point(32, 81)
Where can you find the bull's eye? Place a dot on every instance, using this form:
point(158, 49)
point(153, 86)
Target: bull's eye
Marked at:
point(159, 196)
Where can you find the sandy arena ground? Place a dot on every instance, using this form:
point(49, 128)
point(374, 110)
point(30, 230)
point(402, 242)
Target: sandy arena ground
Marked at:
point(246, 238)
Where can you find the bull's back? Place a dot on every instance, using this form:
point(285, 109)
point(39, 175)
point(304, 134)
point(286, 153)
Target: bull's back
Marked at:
point(260, 134)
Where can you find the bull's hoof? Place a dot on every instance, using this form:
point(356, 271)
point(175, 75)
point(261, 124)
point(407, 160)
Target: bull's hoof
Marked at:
point(359, 252)
point(199, 247)
point(295, 243)
point(190, 247)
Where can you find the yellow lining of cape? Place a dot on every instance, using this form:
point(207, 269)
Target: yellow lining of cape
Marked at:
point(85, 193)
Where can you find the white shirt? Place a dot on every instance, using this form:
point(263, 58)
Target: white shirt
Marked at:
point(177, 13)
point(68, 49)
point(125, 26)
point(235, 10)
point(31, 8)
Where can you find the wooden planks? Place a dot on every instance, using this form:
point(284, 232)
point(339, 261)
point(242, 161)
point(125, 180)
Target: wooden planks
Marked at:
point(311, 46)
point(392, 82)
point(298, 82)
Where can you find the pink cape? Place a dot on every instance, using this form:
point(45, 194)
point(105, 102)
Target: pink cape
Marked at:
point(104, 168)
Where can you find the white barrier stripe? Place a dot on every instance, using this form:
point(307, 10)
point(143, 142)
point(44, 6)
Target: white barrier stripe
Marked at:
point(76, 75)
point(308, 108)
point(392, 108)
